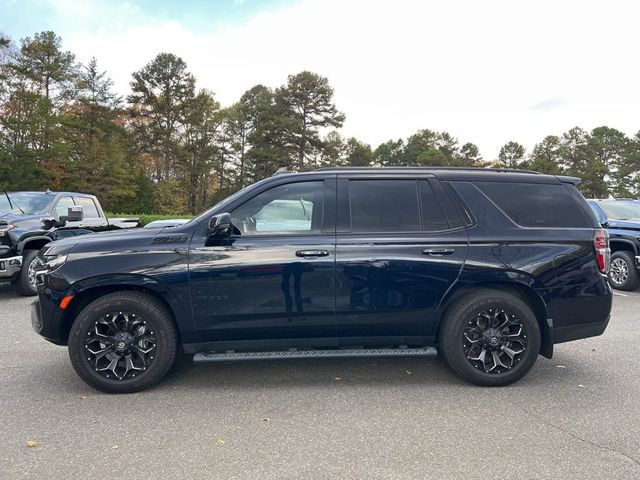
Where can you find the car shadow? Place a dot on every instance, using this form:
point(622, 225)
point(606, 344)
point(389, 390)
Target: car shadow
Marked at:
point(324, 374)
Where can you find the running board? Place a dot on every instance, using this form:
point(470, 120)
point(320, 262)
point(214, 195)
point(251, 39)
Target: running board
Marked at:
point(338, 353)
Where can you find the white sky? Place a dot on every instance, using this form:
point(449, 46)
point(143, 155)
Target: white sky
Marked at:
point(486, 71)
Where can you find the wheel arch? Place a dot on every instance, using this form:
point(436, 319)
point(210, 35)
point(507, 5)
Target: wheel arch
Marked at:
point(87, 295)
point(520, 290)
point(33, 243)
point(618, 244)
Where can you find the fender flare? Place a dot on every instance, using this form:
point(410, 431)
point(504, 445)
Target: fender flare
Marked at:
point(34, 238)
point(634, 247)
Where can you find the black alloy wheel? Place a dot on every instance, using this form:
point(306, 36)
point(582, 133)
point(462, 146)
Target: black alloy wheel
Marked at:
point(494, 340)
point(490, 337)
point(123, 342)
point(120, 345)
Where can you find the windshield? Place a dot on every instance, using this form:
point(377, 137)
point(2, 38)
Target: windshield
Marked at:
point(27, 202)
point(621, 210)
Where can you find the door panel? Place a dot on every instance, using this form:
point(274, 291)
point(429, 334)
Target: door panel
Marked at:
point(259, 288)
point(390, 283)
point(389, 286)
point(275, 276)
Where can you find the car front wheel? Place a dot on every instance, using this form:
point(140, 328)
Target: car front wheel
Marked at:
point(25, 284)
point(490, 338)
point(123, 342)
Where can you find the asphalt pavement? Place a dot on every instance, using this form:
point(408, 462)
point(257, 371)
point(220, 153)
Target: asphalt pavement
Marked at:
point(575, 416)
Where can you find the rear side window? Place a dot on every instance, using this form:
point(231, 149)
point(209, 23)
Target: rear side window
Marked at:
point(384, 206)
point(433, 217)
point(89, 209)
point(536, 205)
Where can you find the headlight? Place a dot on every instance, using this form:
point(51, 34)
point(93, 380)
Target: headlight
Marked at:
point(4, 228)
point(52, 257)
point(52, 262)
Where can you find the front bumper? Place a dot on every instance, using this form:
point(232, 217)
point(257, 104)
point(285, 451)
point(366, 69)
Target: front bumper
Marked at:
point(10, 267)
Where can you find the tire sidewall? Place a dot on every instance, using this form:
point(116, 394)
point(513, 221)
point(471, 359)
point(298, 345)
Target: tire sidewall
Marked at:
point(22, 282)
point(454, 352)
point(164, 353)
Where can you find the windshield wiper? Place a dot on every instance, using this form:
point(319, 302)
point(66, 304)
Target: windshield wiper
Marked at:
point(11, 204)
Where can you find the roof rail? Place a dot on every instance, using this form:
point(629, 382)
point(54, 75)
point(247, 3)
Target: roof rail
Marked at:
point(483, 169)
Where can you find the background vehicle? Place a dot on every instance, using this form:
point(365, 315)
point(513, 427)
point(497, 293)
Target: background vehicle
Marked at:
point(621, 217)
point(494, 267)
point(30, 220)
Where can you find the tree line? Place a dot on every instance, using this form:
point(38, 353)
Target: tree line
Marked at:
point(170, 147)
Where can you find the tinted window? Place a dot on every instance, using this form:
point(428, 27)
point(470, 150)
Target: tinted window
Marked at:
point(433, 216)
point(536, 205)
point(291, 208)
point(384, 206)
point(62, 207)
point(621, 210)
point(89, 209)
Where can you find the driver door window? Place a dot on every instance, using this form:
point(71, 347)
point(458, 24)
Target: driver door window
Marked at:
point(62, 206)
point(285, 209)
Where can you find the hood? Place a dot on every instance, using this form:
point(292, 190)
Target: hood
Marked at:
point(631, 224)
point(23, 223)
point(19, 218)
point(117, 240)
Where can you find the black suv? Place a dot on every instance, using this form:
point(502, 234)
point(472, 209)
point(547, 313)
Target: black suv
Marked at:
point(492, 267)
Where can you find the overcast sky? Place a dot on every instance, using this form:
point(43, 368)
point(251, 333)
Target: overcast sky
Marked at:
point(486, 71)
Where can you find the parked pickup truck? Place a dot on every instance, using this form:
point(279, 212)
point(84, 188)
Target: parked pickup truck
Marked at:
point(30, 220)
point(621, 217)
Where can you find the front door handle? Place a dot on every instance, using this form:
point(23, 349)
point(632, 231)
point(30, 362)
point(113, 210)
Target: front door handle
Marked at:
point(438, 252)
point(312, 253)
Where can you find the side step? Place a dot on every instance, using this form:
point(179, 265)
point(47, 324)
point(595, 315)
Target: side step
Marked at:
point(337, 353)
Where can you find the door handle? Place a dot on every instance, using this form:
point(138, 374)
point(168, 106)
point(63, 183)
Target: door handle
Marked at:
point(312, 253)
point(438, 252)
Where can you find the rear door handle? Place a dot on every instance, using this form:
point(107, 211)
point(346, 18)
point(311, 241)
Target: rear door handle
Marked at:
point(438, 252)
point(312, 253)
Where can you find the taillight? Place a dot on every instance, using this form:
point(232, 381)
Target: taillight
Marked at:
point(603, 252)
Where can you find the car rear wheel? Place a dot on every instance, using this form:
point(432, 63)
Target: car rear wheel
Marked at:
point(490, 338)
point(123, 342)
point(623, 274)
point(26, 282)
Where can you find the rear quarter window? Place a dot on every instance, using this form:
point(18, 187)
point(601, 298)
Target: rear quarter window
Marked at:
point(536, 205)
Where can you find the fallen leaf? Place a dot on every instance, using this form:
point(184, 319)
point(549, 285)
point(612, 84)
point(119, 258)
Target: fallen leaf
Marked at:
point(220, 442)
point(266, 419)
point(580, 386)
point(561, 366)
point(408, 372)
point(115, 446)
point(31, 443)
point(82, 397)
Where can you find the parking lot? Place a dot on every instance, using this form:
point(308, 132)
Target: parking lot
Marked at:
point(577, 415)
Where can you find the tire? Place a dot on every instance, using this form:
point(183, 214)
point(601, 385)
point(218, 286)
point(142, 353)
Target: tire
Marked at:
point(23, 283)
point(462, 345)
point(623, 274)
point(132, 312)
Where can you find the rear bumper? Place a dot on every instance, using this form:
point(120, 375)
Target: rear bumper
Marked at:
point(10, 267)
point(576, 332)
point(580, 311)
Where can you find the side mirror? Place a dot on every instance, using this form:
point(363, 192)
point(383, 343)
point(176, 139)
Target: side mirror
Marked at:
point(220, 225)
point(74, 214)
